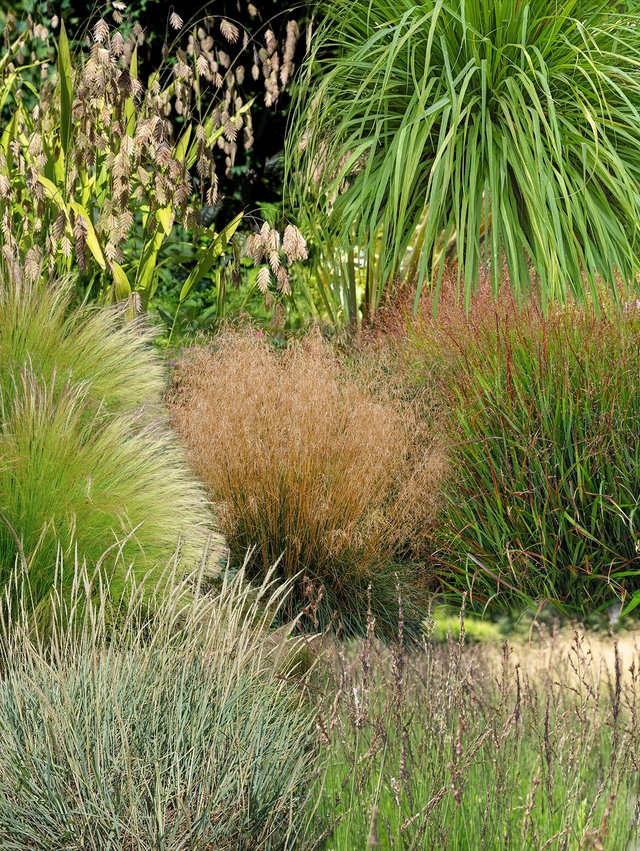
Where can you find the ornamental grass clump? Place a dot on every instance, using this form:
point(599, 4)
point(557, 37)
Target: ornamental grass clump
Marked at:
point(418, 123)
point(87, 460)
point(179, 729)
point(101, 157)
point(543, 445)
point(330, 477)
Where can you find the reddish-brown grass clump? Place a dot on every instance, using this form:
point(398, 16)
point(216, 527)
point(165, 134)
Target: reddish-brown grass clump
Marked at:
point(317, 465)
point(542, 434)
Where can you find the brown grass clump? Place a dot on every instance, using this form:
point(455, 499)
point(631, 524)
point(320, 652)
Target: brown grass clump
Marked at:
point(314, 464)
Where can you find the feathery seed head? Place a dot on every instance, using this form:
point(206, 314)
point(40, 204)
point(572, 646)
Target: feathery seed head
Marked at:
point(175, 21)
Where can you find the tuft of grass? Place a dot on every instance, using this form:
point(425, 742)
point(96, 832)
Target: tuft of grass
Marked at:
point(179, 729)
point(87, 461)
point(318, 469)
point(460, 749)
point(543, 447)
point(83, 345)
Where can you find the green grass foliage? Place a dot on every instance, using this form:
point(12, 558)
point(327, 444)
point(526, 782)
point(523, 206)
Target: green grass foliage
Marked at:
point(86, 459)
point(544, 444)
point(421, 122)
point(171, 732)
point(458, 750)
point(442, 626)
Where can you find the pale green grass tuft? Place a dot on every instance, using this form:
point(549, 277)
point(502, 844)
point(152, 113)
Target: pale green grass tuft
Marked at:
point(86, 458)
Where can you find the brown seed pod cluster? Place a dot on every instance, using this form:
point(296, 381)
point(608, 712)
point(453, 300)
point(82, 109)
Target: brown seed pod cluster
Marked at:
point(267, 245)
point(100, 152)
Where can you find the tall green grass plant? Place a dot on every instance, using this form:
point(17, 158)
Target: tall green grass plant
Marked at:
point(421, 125)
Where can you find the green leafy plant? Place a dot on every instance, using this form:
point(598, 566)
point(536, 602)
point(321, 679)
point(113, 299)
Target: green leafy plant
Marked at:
point(171, 731)
point(86, 458)
point(317, 470)
point(427, 128)
point(98, 167)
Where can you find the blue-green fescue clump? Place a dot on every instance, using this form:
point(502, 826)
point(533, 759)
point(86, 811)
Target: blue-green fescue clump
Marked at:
point(86, 459)
point(170, 733)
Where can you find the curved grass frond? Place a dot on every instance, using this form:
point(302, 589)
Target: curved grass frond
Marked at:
point(87, 345)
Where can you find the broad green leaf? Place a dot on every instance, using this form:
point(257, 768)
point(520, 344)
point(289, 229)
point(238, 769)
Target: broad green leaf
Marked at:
point(633, 603)
point(6, 89)
point(10, 131)
point(88, 195)
point(120, 282)
point(144, 209)
point(147, 265)
point(101, 186)
point(183, 145)
point(92, 240)
point(52, 192)
point(207, 260)
point(66, 88)
point(59, 168)
point(165, 216)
